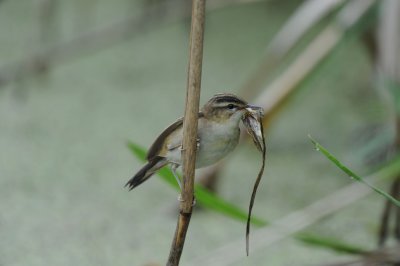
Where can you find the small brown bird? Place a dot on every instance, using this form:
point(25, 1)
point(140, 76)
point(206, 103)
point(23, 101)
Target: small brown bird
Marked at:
point(218, 135)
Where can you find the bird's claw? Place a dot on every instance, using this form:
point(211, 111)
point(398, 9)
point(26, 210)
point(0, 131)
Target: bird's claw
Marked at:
point(180, 199)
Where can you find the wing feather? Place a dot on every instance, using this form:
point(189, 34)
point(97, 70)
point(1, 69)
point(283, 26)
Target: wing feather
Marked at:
point(158, 144)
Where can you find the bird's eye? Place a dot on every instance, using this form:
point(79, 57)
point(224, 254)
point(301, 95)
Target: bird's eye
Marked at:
point(231, 106)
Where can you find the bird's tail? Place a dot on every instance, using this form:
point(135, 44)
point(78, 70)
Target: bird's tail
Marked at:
point(146, 172)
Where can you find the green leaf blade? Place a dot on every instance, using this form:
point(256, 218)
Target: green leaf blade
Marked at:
point(353, 175)
point(334, 244)
point(209, 200)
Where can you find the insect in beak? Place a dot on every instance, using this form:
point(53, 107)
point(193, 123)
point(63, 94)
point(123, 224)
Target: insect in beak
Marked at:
point(255, 110)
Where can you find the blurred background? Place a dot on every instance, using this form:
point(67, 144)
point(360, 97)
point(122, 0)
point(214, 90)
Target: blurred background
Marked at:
point(79, 79)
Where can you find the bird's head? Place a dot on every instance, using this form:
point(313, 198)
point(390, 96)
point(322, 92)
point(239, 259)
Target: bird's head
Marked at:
point(225, 107)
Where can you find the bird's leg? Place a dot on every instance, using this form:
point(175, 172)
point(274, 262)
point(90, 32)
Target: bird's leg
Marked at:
point(173, 168)
point(197, 145)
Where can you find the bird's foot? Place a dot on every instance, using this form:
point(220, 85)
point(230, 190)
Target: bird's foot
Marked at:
point(197, 145)
point(180, 199)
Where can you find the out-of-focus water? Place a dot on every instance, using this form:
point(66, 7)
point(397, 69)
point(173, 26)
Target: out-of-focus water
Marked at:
point(64, 160)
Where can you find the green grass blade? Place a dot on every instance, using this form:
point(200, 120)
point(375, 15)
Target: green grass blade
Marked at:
point(351, 174)
point(211, 201)
point(334, 244)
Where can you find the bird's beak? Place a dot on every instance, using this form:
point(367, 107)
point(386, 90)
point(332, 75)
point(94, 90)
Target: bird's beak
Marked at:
point(253, 109)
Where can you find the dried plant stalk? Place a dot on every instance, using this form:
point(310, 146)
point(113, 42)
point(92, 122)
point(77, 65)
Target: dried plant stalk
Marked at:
point(190, 129)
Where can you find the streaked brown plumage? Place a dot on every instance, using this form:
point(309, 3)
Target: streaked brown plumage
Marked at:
point(218, 135)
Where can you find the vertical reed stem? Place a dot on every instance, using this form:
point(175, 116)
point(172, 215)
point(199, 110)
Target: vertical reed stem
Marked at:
point(190, 129)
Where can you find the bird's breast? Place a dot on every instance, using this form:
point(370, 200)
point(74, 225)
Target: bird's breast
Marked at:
point(216, 141)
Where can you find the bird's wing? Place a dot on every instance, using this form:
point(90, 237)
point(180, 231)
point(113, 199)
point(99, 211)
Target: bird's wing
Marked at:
point(159, 144)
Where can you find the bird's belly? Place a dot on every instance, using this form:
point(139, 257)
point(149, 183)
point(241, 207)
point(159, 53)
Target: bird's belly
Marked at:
point(212, 148)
